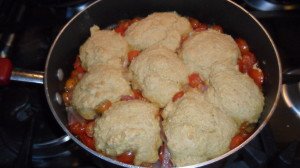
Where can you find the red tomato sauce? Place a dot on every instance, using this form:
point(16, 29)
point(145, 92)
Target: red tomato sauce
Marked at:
point(82, 131)
point(248, 63)
point(244, 133)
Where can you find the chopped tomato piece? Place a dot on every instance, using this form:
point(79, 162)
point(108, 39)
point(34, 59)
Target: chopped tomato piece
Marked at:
point(120, 30)
point(242, 44)
point(77, 128)
point(197, 26)
point(88, 141)
point(125, 23)
point(236, 141)
point(257, 76)
point(122, 27)
point(250, 57)
point(247, 62)
point(89, 128)
point(217, 28)
point(245, 131)
point(77, 62)
point(137, 94)
point(201, 28)
point(195, 80)
point(132, 54)
point(194, 23)
point(74, 74)
point(102, 107)
point(80, 69)
point(126, 157)
point(241, 66)
point(177, 96)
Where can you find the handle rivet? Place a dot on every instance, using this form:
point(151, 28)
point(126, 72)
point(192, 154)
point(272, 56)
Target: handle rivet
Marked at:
point(60, 74)
point(58, 98)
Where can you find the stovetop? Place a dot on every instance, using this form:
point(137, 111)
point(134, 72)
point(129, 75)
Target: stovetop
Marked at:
point(30, 136)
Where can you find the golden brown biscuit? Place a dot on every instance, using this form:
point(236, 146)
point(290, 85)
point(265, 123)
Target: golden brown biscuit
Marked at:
point(103, 47)
point(129, 126)
point(161, 28)
point(203, 50)
point(97, 85)
point(236, 94)
point(196, 130)
point(159, 74)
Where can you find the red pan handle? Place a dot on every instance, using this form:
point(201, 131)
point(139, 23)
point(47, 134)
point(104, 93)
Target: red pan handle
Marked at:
point(5, 71)
point(7, 74)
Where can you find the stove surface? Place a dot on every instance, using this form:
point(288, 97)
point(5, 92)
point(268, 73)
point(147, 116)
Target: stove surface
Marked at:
point(24, 108)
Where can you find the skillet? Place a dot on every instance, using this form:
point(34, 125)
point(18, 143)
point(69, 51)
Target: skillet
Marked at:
point(235, 21)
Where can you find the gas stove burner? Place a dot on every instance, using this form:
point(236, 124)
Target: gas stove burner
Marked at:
point(274, 5)
point(291, 93)
point(50, 149)
point(19, 106)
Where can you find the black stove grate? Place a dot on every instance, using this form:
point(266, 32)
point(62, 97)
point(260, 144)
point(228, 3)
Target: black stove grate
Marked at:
point(10, 14)
point(59, 3)
point(24, 106)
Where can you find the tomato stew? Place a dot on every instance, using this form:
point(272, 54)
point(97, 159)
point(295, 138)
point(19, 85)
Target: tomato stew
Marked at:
point(84, 130)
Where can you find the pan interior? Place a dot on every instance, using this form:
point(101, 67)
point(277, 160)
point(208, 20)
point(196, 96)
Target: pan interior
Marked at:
point(234, 21)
